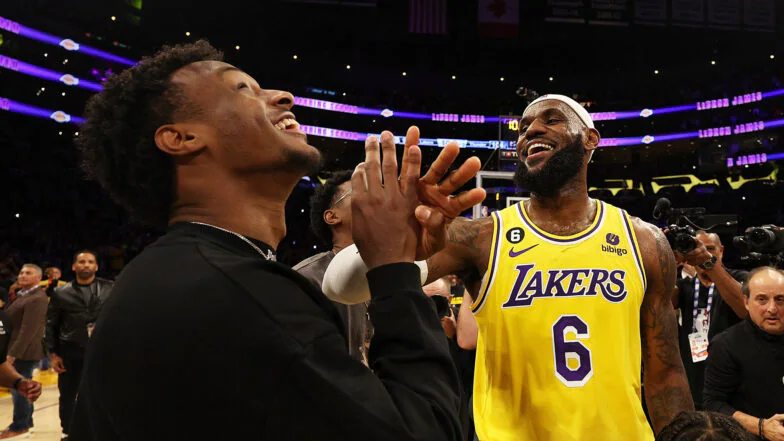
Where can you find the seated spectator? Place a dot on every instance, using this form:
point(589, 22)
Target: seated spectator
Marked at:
point(743, 376)
point(703, 426)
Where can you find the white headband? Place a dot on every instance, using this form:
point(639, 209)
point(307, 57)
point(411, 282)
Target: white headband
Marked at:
point(583, 114)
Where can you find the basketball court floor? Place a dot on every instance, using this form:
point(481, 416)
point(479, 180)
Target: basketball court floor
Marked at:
point(45, 417)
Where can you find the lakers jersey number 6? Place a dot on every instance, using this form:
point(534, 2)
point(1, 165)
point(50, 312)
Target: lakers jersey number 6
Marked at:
point(558, 353)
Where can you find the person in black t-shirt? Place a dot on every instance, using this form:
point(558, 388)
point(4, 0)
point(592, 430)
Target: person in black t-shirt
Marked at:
point(719, 306)
point(185, 141)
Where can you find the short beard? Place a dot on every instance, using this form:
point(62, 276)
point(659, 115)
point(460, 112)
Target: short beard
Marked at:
point(562, 166)
point(305, 162)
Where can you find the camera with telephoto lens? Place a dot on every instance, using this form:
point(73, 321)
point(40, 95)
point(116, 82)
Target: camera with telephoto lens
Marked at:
point(763, 245)
point(681, 239)
point(681, 232)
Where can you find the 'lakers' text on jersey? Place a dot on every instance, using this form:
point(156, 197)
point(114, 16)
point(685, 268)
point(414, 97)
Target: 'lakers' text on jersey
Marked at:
point(559, 353)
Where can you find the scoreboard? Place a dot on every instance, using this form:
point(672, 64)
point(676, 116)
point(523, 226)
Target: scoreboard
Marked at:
point(508, 125)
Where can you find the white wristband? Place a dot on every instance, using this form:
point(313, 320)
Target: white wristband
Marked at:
point(345, 280)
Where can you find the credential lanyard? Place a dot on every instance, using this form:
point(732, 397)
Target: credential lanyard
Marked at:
point(697, 303)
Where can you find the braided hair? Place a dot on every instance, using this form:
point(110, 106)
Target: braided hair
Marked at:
point(703, 426)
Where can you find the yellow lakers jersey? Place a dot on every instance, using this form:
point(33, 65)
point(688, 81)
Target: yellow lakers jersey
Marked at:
point(558, 354)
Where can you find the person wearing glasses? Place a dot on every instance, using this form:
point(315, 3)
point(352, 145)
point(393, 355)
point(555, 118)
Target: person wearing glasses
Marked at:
point(330, 219)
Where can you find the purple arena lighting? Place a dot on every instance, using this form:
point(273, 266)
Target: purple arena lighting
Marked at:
point(325, 105)
point(714, 132)
point(60, 116)
point(759, 158)
point(46, 74)
point(412, 115)
point(65, 43)
point(773, 93)
point(329, 106)
point(26, 109)
point(747, 98)
point(675, 109)
point(775, 156)
point(774, 123)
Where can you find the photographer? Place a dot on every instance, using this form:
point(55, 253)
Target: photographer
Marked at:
point(708, 303)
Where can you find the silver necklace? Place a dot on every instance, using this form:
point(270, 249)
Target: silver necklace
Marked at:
point(269, 255)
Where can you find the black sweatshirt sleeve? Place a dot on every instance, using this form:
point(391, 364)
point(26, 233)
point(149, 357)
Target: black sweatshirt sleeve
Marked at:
point(722, 377)
point(413, 390)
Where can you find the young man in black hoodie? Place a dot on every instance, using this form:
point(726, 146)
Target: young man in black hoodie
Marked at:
point(187, 141)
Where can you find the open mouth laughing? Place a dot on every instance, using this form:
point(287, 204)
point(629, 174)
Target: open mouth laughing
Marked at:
point(537, 149)
point(287, 123)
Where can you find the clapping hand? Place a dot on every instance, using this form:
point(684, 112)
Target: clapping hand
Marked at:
point(437, 207)
point(405, 217)
point(383, 224)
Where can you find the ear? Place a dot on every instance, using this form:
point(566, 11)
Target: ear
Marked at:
point(592, 139)
point(178, 140)
point(73, 267)
point(332, 218)
point(746, 302)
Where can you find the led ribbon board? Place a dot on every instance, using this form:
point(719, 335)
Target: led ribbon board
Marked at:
point(329, 106)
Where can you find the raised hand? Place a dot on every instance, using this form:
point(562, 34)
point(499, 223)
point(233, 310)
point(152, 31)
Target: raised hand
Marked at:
point(438, 207)
point(383, 224)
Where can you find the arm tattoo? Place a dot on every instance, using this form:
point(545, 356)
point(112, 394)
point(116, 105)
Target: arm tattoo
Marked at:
point(666, 388)
point(663, 404)
point(432, 266)
point(465, 233)
point(661, 324)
